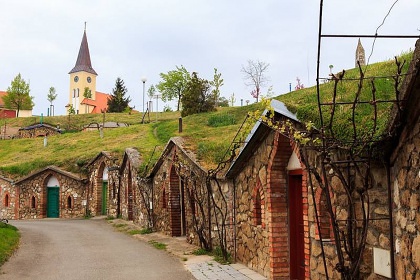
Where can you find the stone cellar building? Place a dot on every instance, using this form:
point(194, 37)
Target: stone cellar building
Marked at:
point(47, 193)
point(269, 211)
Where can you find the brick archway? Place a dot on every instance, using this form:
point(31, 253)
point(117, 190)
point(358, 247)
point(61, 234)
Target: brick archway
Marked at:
point(280, 216)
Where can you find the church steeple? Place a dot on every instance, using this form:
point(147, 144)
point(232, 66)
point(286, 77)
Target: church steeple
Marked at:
point(360, 54)
point(82, 78)
point(83, 62)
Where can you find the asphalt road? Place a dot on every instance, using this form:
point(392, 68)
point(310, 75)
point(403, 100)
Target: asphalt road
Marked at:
point(86, 249)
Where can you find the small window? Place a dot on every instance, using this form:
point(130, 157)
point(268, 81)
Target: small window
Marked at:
point(164, 198)
point(324, 217)
point(69, 202)
point(77, 92)
point(257, 209)
point(192, 202)
point(6, 200)
point(33, 202)
point(114, 191)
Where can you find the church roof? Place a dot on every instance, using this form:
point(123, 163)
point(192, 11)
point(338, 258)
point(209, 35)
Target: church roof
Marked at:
point(100, 104)
point(83, 62)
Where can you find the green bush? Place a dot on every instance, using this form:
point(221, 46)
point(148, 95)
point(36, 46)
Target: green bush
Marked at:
point(221, 120)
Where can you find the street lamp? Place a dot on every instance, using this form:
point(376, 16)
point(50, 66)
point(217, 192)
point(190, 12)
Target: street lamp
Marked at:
point(143, 79)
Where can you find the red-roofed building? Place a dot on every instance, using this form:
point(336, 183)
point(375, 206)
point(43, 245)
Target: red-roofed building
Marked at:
point(4, 112)
point(84, 76)
point(96, 106)
point(11, 113)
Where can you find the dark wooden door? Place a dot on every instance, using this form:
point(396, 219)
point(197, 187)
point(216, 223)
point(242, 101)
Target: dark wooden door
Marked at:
point(297, 250)
point(182, 205)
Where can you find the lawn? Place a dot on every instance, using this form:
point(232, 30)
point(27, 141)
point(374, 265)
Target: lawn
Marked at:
point(208, 135)
point(9, 241)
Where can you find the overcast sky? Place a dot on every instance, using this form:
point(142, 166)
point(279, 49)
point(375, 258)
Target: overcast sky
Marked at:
point(134, 38)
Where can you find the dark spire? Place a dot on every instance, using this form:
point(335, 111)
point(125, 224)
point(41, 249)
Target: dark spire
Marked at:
point(83, 59)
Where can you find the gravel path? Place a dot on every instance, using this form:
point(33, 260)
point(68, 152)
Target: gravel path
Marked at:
point(86, 249)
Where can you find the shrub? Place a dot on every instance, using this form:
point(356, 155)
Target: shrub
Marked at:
point(221, 120)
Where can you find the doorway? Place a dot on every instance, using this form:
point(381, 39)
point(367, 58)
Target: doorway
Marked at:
point(53, 202)
point(296, 226)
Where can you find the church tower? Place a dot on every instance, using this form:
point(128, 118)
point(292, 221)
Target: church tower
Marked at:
point(82, 76)
point(360, 55)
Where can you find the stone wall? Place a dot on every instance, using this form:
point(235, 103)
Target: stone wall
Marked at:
point(8, 205)
point(97, 168)
point(39, 131)
point(252, 240)
point(181, 200)
point(168, 199)
point(378, 235)
point(33, 195)
point(262, 210)
point(405, 178)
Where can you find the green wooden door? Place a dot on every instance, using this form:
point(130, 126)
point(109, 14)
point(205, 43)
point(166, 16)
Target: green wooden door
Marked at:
point(104, 197)
point(52, 202)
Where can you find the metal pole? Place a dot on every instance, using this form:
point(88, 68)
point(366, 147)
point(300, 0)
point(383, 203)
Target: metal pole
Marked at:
point(157, 108)
point(144, 84)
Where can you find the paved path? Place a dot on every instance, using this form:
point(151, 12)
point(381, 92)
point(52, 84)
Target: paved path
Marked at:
point(86, 249)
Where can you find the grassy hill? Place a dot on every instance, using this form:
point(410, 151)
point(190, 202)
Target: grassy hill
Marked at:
point(208, 135)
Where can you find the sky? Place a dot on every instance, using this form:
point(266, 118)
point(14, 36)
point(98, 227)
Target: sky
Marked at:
point(132, 39)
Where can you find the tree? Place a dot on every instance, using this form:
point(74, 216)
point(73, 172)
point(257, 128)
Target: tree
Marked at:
point(151, 92)
point(216, 84)
point(299, 85)
point(197, 97)
point(118, 102)
point(51, 97)
point(255, 76)
point(87, 93)
point(232, 100)
point(71, 111)
point(223, 102)
point(173, 83)
point(17, 96)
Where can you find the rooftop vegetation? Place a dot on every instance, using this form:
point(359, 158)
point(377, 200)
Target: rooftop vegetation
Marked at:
point(209, 135)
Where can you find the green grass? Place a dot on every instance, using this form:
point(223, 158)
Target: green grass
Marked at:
point(221, 120)
point(119, 225)
point(200, 251)
point(9, 241)
point(158, 245)
point(218, 256)
point(304, 102)
point(146, 231)
point(134, 232)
